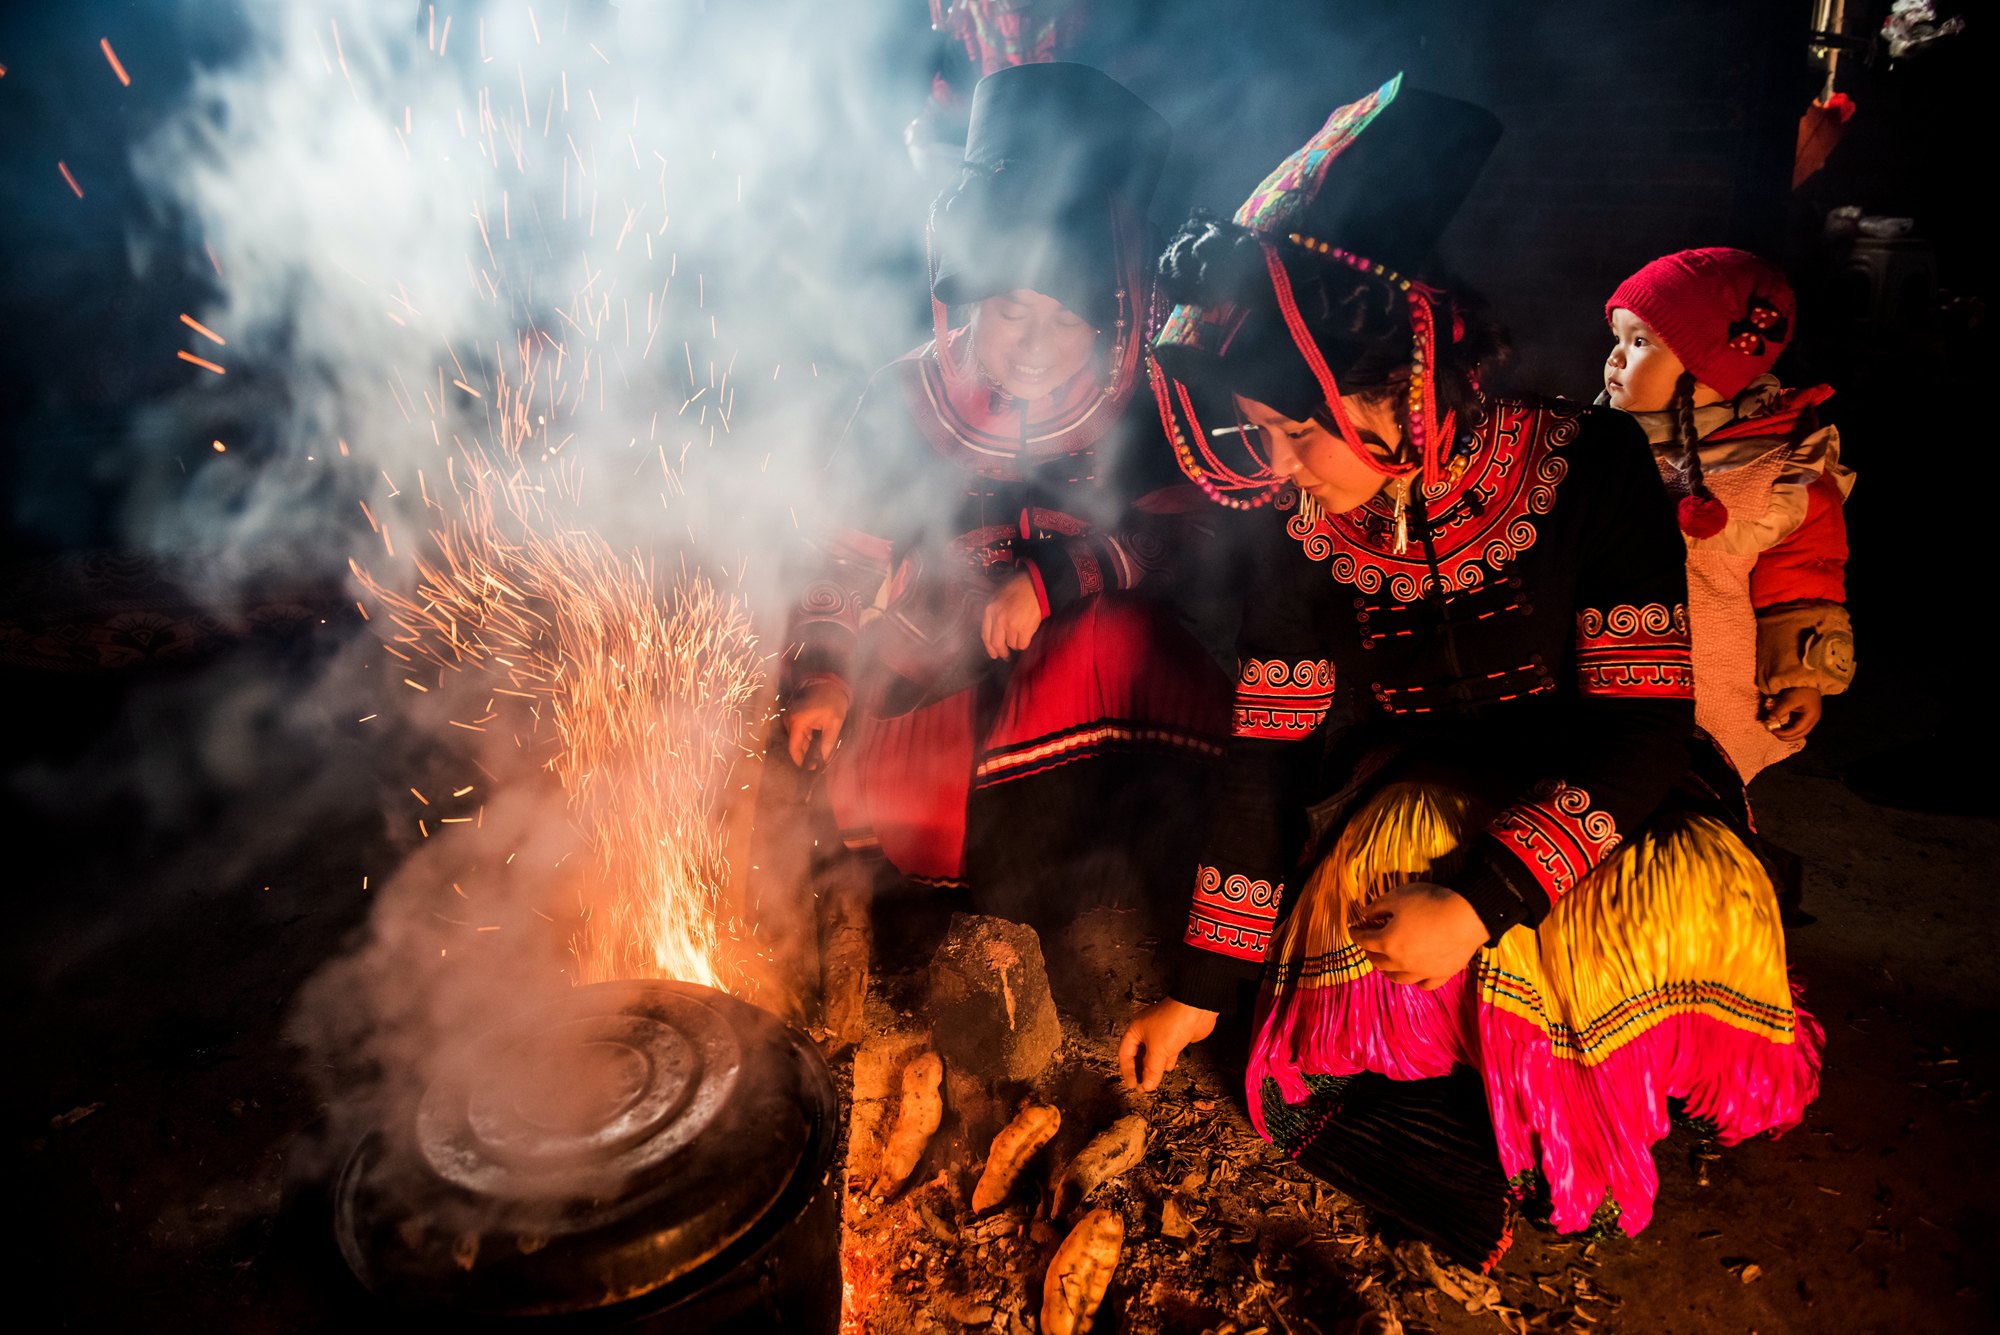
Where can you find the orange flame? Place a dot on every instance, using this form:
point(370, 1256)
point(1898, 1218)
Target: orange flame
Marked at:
point(649, 691)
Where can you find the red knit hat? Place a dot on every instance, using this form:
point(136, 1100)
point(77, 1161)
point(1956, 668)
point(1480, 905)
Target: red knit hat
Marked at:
point(1726, 314)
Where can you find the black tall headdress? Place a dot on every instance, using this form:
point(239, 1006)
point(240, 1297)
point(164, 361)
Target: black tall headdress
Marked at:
point(1053, 154)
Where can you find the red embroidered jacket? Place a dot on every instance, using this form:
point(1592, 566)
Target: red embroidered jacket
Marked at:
point(1531, 644)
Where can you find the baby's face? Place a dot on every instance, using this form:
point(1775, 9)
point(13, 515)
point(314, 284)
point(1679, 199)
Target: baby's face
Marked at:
point(1640, 373)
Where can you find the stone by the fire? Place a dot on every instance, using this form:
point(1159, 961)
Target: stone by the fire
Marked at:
point(989, 1007)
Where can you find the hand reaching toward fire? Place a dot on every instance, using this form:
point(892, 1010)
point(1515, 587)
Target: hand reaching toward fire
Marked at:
point(1012, 616)
point(819, 708)
point(1161, 1031)
point(1420, 934)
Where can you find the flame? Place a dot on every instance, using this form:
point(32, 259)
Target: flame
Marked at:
point(649, 691)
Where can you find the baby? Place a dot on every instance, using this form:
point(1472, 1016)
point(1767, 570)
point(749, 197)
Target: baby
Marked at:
point(1760, 488)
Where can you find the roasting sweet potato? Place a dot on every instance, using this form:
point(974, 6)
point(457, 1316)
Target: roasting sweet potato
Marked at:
point(1081, 1272)
point(916, 1122)
point(1113, 1150)
point(1012, 1148)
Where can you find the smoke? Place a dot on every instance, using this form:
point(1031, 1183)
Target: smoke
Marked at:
point(639, 258)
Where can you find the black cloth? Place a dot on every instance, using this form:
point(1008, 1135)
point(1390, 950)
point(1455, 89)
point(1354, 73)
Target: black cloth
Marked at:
point(1517, 685)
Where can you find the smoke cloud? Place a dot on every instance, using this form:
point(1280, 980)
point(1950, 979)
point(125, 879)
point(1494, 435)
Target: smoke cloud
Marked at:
point(635, 259)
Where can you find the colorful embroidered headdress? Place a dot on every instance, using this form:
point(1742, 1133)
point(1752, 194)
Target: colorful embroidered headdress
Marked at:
point(1317, 265)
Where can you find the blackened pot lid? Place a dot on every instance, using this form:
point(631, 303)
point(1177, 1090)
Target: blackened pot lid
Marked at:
point(581, 1154)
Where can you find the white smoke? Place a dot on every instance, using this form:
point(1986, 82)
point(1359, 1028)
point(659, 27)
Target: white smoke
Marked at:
point(700, 222)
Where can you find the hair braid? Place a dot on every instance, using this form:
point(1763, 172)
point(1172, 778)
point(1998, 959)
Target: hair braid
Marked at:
point(1701, 514)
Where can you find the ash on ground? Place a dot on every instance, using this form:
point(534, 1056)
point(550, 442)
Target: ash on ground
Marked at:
point(1223, 1233)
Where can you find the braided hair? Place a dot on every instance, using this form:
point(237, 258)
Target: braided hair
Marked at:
point(1701, 514)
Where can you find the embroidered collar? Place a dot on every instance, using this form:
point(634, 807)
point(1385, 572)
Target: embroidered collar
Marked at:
point(1478, 525)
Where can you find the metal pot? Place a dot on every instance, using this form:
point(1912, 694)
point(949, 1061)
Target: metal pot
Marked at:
point(636, 1156)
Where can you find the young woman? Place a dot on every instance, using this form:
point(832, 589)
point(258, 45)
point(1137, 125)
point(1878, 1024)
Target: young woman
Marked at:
point(1497, 926)
point(1014, 711)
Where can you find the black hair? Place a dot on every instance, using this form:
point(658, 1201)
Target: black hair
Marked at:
point(1687, 440)
point(1359, 320)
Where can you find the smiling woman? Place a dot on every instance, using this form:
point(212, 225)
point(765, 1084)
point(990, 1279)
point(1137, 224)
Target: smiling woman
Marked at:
point(985, 650)
point(1028, 344)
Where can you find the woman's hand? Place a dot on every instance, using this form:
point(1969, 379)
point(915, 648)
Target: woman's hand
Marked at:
point(1792, 712)
point(820, 708)
point(1012, 615)
point(1420, 935)
point(1162, 1030)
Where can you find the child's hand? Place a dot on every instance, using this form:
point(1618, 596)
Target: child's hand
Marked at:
point(1420, 934)
point(1792, 712)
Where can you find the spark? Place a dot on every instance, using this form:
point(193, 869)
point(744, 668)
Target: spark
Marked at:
point(112, 56)
point(220, 447)
point(649, 686)
point(63, 167)
point(201, 329)
point(341, 56)
point(202, 362)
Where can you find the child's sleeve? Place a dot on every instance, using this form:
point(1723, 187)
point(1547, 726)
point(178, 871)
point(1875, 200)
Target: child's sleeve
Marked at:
point(1799, 586)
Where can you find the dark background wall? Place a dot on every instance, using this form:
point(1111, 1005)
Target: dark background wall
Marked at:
point(1631, 131)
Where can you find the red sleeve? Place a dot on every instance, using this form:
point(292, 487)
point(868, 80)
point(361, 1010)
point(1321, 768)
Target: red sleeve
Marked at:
point(1812, 562)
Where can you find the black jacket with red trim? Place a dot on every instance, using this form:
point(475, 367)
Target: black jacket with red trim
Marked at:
point(1530, 646)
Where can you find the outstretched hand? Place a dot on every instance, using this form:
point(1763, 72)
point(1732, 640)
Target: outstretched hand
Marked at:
point(1155, 1039)
point(1420, 935)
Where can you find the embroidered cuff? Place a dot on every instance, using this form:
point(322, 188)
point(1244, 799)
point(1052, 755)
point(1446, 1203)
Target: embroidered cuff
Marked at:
point(1233, 915)
point(1558, 837)
point(1282, 700)
point(1503, 902)
point(1628, 651)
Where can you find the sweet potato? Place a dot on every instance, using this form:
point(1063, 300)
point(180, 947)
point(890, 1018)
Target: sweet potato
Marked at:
point(916, 1122)
point(1081, 1272)
point(1012, 1148)
point(1113, 1150)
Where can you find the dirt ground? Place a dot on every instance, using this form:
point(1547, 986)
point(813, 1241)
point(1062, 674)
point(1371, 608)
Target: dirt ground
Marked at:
point(155, 1103)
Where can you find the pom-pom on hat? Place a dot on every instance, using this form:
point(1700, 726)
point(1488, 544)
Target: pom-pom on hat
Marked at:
point(1726, 314)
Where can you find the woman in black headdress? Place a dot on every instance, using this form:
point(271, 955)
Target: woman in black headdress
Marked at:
point(1498, 923)
point(1015, 712)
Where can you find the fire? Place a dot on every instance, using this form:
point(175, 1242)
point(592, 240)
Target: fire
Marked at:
point(648, 691)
